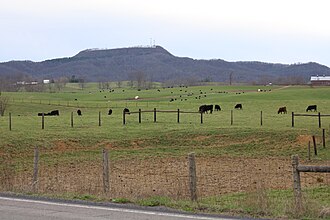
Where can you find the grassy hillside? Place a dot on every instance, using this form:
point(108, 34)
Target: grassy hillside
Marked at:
point(166, 143)
point(26, 125)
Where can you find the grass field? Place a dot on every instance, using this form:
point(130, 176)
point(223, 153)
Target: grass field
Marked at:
point(164, 141)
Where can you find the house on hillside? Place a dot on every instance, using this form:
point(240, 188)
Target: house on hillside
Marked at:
point(320, 80)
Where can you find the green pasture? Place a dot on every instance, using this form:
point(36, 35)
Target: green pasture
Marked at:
point(216, 136)
point(245, 136)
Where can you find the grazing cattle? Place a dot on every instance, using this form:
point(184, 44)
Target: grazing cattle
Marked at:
point(110, 112)
point(52, 113)
point(206, 108)
point(311, 108)
point(79, 112)
point(201, 108)
point(217, 108)
point(126, 110)
point(282, 110)
point(55, 113)
point(238, 106)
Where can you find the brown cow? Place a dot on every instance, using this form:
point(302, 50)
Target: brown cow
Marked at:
point(282, 110)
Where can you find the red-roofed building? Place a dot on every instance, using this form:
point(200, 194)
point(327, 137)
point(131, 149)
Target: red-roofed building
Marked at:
point(320, 80)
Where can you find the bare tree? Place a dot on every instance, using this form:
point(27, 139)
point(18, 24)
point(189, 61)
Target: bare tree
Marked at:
point(82, 83)
point(60, 83)
point(140, 79)
point(107, 85)
point(3, 104)
point(104, 85)
point(34, 88)
point(12, 82)
point(230, 78)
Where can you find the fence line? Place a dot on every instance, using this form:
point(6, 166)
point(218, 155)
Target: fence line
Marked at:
point(60, 171)
point(297, 168)
point(308, 115)
point(78, 104)
point(161, 111)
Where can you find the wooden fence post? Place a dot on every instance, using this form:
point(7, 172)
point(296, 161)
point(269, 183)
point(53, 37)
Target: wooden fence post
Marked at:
point(155, 118)
point(106, 182)
point(43, 121)
point(178, 115)
point(231, 117)
point(35, 170)
point(260, 118)
point(71, 119)
point(124, 120)
point(309, 150)
point(9, 121)
point(192, 177)
point(99, 118)
point(323, 137)
point(315, 148)
point(139, 115)
point(296, 183)
point(292, 119)
point(319, 115)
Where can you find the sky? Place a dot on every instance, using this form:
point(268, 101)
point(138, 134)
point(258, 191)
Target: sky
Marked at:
point(276, 31)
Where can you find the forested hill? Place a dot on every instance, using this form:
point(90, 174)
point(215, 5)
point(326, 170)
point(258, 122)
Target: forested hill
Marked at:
point(157, 64)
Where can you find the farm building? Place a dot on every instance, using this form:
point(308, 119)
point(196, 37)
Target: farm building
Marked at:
point(320, 80)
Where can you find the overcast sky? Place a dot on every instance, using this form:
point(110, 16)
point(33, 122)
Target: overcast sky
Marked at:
point(280, 31)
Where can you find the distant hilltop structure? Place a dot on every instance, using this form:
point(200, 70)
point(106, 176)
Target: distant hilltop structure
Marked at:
point(320, 80)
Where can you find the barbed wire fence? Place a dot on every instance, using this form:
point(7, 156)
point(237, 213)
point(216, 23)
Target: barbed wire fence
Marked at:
point(79, 171)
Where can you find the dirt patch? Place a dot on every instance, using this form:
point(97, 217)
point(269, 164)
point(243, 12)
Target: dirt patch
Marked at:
point(64, 146)
point(137, 143)
point(200, 138)
point(303, 139)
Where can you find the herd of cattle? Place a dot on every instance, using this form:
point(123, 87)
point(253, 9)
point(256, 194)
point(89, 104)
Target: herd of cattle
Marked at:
point(309, 108)
point(202, 109)
point(57, 113)
point(209, 108)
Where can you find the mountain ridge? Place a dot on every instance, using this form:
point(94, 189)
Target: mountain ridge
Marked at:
point(158, 64)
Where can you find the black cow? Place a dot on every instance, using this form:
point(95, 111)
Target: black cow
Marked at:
point(282, 110)
point(238, 106)
point(311, 108)
point(217, 108)
point(206, 108)
point(79, 112)
point(201, 108)
point(52, 113)
point(55, 113)
point(126, 110)
point(110, 112)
